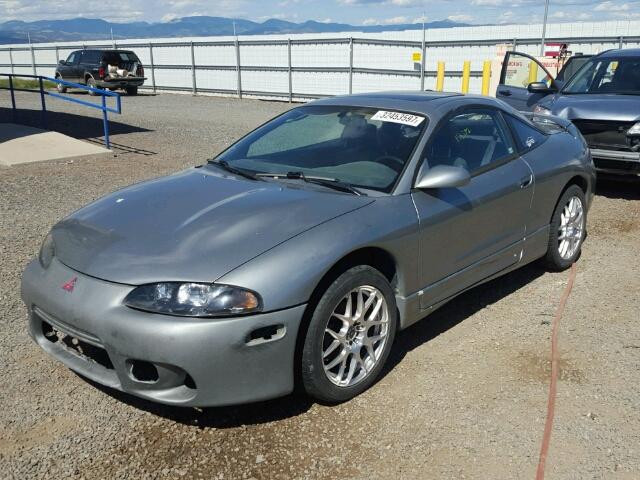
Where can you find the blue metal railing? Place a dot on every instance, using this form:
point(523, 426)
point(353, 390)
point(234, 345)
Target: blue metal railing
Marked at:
point(43, 116)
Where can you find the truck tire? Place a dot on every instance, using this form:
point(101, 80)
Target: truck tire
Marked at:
point(91, 82)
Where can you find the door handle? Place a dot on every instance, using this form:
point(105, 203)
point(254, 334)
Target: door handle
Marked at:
point(526, 181)
point(506, 93)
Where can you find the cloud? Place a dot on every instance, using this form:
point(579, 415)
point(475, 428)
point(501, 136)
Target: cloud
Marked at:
point(610, 6)
point(460, 18)
point(399, 20)
point(396, 3)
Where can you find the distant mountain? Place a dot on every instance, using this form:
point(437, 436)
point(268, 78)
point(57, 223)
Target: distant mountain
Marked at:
point(17, 31)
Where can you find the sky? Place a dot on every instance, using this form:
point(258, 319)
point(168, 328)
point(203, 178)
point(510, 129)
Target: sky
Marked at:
point(356, 12)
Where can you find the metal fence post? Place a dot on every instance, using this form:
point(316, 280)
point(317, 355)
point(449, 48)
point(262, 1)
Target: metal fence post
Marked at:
point(13, 100)
point(193, 71)
point(422, 60)
point(43, 118)
point(11, 60)
point(350, 65)
point(515, 44)
point(290, 72)
point(33, 59)
point(105, 122)
point(621, 42)
point(153, 73)
point(237, 44)
point(57, 55)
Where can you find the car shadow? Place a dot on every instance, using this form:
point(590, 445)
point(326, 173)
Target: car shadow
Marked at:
point(295, 404)
point(255, 413)
point(618, 187)
point(458, 310)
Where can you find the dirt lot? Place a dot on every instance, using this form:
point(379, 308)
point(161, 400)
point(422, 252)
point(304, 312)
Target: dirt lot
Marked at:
point(464, 397)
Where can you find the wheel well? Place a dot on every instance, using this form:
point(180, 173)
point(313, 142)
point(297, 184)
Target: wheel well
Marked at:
point(579, 181)
point(375, 257)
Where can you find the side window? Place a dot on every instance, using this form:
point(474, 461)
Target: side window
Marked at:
point(527, 137)
point(90, 57)
point(473, 140)
point(71, 59)
point(522, 70)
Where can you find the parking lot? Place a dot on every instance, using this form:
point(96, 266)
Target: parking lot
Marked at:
point(465, 395)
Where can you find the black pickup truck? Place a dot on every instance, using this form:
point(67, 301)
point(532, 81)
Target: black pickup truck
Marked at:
point(110, 69)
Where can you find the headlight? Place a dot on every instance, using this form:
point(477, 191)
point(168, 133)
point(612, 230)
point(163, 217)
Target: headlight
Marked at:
point(540, 110)
point(47, 251)
point(635, 130)
point(194, 299)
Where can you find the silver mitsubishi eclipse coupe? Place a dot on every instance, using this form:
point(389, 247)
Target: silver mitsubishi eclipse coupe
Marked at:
point(295, 256)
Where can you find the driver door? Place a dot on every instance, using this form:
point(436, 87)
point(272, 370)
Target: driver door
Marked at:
point(518, 71)
point(69, 70)
point(470, 233)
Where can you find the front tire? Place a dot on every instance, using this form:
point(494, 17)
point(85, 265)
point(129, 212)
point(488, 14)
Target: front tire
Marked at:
point(568, 228)
point(60, 87)
point(349, 337)
point(132, 90)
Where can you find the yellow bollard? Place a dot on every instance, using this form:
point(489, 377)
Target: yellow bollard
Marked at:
point(486, 77)
point(533, 71)
point(466, 73)
point(440, 77)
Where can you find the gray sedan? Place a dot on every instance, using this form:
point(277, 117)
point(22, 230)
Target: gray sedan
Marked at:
point(296, 255)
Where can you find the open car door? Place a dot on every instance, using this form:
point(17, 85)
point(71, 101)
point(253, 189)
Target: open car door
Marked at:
point(570, 67)
point(524, 81)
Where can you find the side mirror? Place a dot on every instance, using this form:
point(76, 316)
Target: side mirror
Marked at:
point(62, 62)
point(442, 176)
point(539, 87)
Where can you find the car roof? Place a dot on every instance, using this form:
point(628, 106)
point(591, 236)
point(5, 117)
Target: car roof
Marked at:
point(105, 50)
point(411, 101)
point(625, 52)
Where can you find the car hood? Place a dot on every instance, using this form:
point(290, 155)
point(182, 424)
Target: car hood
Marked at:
point(193, 226)
point(622, 108)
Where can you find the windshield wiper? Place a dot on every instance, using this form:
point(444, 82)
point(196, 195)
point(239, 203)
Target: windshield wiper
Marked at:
point(333, 183)
point(238, 171)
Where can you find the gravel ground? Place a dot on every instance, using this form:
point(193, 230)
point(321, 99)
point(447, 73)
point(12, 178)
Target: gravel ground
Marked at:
point(465, 393)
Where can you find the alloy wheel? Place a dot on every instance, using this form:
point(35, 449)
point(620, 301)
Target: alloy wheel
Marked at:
point(355, 336)
point(571, 228)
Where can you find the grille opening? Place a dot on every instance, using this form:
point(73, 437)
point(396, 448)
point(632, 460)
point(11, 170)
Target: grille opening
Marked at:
point(189, 383)
point(84, 350)
point(144, 371)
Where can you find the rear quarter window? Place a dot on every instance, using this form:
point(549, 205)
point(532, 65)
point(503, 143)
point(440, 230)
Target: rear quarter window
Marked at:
point(527, 137)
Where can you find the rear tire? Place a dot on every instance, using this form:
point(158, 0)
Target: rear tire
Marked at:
point(132, 90)
point(568, 229)
point(350, 335)
point(91, 82)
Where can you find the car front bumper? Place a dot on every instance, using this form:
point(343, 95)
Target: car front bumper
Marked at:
point(198, 362)
point(613, 161)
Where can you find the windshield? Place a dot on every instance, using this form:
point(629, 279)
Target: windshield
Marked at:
point(362, 147)
point(607, 75)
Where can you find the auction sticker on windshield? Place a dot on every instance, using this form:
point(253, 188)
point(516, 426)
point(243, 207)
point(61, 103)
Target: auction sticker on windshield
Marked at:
point(397, 117)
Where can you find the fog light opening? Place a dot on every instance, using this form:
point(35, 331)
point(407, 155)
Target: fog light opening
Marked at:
point(144, 371)
point(48, 332)
point(189, 383)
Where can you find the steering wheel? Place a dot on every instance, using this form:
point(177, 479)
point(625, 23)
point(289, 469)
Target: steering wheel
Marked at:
point(394, 163)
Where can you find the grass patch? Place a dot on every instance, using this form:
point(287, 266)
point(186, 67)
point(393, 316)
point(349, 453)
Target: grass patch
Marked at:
point(27, 84)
